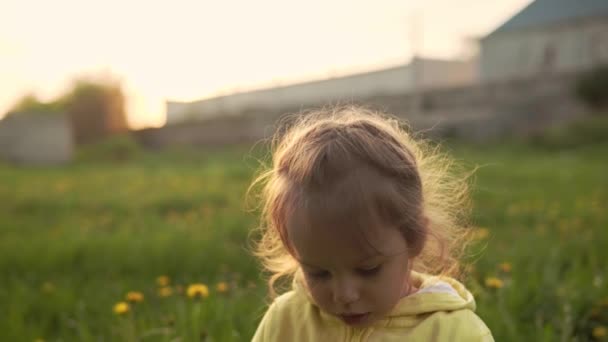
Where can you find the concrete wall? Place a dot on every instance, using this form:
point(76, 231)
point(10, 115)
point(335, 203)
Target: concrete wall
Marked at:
point(433, 74)
point(425, 73)
point(556, 48)
point(36, 138)
point(478, 112)
point(216, 132)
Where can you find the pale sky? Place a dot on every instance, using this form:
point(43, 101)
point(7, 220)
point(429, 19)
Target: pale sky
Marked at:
point(188, 50)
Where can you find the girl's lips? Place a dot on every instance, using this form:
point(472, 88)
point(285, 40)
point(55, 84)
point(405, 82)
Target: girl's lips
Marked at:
point(354, 319)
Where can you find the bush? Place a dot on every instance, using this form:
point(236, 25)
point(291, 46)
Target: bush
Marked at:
point(586, 131)
point(118, 148)
point(29, 103)
point(592, 87)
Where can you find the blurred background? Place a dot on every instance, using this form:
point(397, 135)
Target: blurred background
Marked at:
point(129, 132)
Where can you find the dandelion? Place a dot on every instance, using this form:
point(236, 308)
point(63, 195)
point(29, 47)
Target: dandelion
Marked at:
point(481, 233)
point(221, 287)
point(513, 210)
point(165, 291)
point(48, 287)
point(494, 283)
point(163, 281)
point(563, 226)
point(121, 308)
point(206, 210)
point(135, 297)
point(61, 187)
point(541, 229)
point(505, 267)
point(173, 216)
point(198, 290)
point(599, 332)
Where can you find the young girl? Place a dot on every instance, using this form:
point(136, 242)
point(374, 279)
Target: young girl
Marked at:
point(368, 224)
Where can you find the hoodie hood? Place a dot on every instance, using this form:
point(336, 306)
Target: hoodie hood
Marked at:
point(434, 294)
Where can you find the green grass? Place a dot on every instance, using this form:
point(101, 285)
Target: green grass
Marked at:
point(75, 239)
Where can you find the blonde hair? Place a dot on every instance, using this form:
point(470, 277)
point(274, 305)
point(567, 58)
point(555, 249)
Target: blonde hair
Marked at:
point(350, 165)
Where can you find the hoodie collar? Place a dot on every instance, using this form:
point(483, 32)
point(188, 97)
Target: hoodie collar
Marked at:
point(436, 293)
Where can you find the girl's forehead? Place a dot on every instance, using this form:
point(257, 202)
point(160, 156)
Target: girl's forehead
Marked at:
point(343, 243)
point(349, 215)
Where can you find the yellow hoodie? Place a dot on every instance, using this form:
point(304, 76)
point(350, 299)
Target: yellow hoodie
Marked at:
point(441, 310)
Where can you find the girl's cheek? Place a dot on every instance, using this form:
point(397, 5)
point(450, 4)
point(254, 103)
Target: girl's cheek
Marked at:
point(320, 294)
point(318, 291)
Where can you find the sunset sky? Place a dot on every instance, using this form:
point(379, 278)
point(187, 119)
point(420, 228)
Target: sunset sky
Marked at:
point(188, 50)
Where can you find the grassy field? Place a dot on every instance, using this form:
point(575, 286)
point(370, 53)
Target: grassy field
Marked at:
point(75, 240)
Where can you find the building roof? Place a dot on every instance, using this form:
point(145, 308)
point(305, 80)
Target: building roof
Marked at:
point(545, 12)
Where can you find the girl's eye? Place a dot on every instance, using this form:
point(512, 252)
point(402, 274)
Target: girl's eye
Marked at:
point(368, 272)
point(319, 274)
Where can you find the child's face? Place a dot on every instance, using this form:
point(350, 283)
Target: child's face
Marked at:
point(356, 280)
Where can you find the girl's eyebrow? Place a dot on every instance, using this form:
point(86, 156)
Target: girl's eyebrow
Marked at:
point(372, 259)
point(369, 259)
point(307, 264)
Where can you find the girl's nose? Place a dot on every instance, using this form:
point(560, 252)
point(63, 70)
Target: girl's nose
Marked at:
point(345, 292)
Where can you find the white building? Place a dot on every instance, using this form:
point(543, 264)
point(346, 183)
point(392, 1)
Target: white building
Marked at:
point(547, 36)
point(36, 138)
point(420, 73)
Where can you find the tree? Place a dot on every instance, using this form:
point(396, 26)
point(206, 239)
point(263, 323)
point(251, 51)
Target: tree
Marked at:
point(95, 106)
point(592, 87)
point(96, 109)
point(30, 103)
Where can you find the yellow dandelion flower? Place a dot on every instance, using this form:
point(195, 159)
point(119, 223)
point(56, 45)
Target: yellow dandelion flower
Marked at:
point(121, 308)
point(163, 281)
point(135, 297)
point(48, 287)
point(221, 287)
point(541, 229)
point(165, 291)
point(197, 290)
point(513, 209)
point(599, 332)
point(505, 267)
point(494, 283)
point(481, 233)
point(61, 186)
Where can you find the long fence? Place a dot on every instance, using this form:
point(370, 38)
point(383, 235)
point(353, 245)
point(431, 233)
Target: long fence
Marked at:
point(479, 112)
